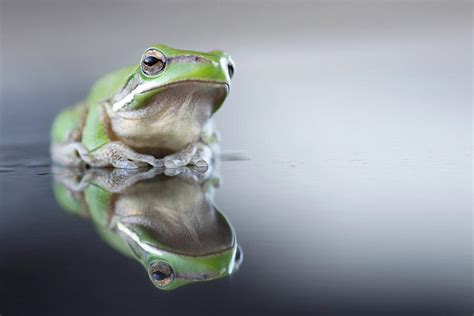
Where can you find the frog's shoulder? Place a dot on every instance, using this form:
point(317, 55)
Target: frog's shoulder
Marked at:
point(110, 84)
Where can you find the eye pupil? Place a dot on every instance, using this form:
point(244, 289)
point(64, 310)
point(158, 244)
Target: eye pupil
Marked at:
point(159, 276)
point(150, 60)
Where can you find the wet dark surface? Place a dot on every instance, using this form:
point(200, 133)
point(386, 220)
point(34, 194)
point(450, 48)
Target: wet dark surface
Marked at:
point(308, 249)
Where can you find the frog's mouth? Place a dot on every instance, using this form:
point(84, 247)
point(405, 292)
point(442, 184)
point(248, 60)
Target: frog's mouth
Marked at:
point(146, 100)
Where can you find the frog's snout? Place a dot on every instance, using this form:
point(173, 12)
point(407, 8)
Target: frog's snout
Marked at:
point(228, 61)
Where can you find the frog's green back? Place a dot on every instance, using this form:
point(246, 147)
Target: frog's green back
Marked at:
point(70, 119)
point(110, 84)
point(66, 122)
point(68, 201)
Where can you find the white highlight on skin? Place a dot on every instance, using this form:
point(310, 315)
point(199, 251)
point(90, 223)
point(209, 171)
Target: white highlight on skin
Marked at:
point(124, 229)
point(129, 97)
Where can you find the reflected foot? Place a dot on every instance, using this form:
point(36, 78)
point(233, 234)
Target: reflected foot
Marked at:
point(118, 180)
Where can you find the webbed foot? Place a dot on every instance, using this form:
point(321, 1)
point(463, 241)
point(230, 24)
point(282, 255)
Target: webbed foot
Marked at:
point(119, 155)
point(197, 154)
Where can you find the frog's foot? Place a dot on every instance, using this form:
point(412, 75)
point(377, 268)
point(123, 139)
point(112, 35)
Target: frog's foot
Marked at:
point(119, 180)
point(197, 154)
point(72, 178)
point(119, 155)
point(190, 174)
point(68, 154)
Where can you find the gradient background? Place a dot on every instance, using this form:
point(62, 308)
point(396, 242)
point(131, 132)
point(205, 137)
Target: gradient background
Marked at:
point(356, 116)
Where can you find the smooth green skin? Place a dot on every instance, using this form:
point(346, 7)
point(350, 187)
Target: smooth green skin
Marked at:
point(97, 200)
point(108, 88)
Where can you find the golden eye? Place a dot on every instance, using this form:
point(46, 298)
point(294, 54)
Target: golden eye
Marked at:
point(153, 62)
point(161, 273)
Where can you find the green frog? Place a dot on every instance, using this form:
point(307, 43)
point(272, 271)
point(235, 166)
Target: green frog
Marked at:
point(168, 224)
point(157, 113)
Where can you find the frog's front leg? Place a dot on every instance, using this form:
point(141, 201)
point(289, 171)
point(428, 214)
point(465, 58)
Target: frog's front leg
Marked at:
point(114, 154)
point(196, 154)
point(119, 155)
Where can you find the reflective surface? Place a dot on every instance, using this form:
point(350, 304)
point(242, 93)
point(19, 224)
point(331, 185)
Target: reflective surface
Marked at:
point(338, 243)
point(167, 223)
point(355, 119)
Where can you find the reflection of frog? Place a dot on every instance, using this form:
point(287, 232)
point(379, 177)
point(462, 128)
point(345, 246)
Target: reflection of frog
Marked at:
point(169, 224)
point(158, 108)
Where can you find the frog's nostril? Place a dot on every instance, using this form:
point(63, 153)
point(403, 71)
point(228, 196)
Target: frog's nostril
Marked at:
point(238, 254)
point(230, 69)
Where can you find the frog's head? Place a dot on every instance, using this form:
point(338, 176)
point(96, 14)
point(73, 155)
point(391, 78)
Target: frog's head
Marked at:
point(169, 271)
point(176, 271)
point(167, 99)
point(167, 76)
point(184, 254)
point(175, 231)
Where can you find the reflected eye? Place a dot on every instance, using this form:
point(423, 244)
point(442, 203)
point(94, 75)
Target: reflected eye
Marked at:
point(153, 62)
point(161, 273)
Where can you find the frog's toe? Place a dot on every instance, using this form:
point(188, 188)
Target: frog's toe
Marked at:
point(172, 172)
point(201, 163)
point(200, 159)
point(171, 163)
point(189, 175)
point(126, 164)
point(156, 163)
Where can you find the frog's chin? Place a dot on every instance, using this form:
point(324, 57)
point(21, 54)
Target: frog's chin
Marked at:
point(171, 117)
point(171, 96)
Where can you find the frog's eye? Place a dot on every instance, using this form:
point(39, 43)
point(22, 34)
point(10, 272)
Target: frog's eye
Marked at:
point(162, 274)
point(153, 62)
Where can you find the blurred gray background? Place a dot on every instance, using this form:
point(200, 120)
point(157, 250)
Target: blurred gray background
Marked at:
point(311, 77)
point(356, 115)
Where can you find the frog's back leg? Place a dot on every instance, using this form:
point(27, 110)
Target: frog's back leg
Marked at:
point(66, 134)
point(80, 136)
point(71, 201)
point(68, 125)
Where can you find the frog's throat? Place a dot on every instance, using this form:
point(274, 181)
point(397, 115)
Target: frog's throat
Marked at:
point(151, 249)
point(150, 86)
